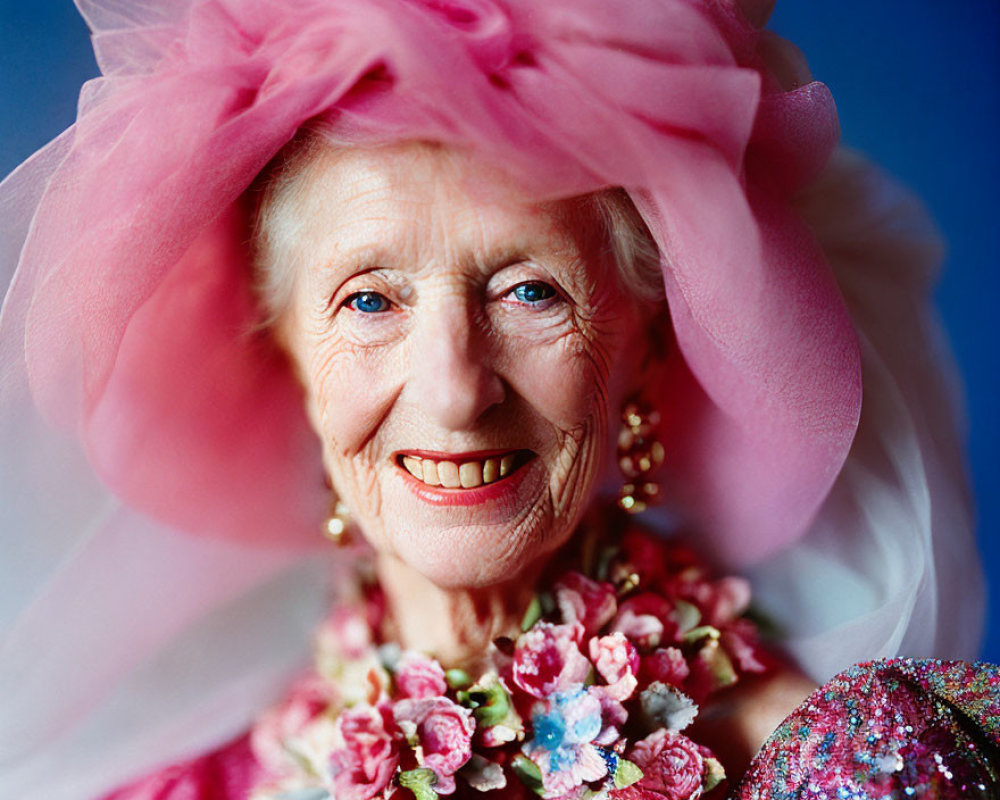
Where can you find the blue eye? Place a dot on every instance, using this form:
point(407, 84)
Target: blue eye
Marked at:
point(533, 292)
point(367, 302)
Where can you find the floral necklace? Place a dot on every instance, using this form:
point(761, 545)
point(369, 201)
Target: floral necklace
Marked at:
point(590, 701)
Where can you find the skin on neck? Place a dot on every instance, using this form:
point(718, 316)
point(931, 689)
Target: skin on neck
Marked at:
point(455, 625)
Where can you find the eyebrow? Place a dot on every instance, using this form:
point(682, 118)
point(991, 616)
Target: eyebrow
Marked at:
point(498, 258)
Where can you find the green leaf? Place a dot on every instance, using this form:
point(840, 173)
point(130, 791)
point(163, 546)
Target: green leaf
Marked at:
point(686, 615)
point(457, 678)
point(488, 700)
point(419, 781)
point(701, 632)
point(470, 698)
point(602, 570)
point(626, 774)
point(714, 659)
point(532, 614)
point(496, 709)
point(529, 773)
point(301, 760)
point(714, 774)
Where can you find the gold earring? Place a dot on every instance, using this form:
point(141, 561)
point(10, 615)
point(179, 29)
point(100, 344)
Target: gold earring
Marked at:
point(639, 455)
point(336, 526)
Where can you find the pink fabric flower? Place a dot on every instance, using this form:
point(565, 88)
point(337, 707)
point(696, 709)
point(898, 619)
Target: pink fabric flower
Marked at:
point(547, 659)
point(666, 665)
point(349, 629)
point(617, 661)
point(307, 698)
point(444, 731)
point(673, 768)
point(652, 558)
point(730, 598)
point(418, 676)
point(613, 716)
point(646, 619)
point(739, 640)
point(364, 765)
point(591, 603)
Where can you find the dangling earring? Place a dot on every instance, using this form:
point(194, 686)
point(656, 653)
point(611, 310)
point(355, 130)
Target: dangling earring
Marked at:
point(639, 455)
point(336, 526)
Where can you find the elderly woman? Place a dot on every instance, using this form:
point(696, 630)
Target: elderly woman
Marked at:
point(479, 277)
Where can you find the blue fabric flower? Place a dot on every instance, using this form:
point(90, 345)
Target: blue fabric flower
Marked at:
point(562, 746)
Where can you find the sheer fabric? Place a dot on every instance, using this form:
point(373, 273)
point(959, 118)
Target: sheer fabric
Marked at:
point(160, 487)
point(889, 565)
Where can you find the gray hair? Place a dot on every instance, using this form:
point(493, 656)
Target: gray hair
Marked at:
point(280, 189)
point(631, 245)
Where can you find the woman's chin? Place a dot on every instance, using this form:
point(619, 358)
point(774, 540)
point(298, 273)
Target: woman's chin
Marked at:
point(468, 557)
point(469, 538)
point(466, 538)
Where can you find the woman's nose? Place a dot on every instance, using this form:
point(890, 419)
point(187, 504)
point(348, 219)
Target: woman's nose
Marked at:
point(452, 377)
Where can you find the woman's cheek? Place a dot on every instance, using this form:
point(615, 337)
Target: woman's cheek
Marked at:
point(566, 380)
point(576, 472)
point(570, 389)
point(349, 387)
point(349, 411)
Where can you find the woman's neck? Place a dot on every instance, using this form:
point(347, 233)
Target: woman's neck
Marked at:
point(453, 625)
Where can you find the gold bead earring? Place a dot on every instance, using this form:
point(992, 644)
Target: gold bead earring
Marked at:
point(640, 454)
point(336, 526)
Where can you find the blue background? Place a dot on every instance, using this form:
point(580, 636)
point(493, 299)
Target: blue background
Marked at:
point(916, 83)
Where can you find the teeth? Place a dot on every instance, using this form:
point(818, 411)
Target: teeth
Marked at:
point(470, 474)
point(413, 466)
point(448, 473)
point(430, 474)
point(451, 475)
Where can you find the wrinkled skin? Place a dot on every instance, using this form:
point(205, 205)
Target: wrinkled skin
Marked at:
point(444, 353)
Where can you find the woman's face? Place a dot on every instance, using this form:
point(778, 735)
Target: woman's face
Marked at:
point(463, 352)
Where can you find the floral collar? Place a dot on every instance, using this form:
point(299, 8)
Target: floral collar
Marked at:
point(590, 701)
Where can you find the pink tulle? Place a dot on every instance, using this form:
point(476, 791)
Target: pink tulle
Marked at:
point(132, 292)
point(229, 773)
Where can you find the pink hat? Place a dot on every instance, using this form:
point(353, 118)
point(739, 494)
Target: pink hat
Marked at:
point(132, 288)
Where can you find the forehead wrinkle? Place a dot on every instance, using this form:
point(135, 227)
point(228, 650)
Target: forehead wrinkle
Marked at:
point(388, 212)
point(413, 180)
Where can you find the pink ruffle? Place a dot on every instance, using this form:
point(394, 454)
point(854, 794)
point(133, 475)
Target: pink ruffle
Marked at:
point(132, 291)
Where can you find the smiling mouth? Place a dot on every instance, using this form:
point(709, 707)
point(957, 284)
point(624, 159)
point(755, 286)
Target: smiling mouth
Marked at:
point(463, 471)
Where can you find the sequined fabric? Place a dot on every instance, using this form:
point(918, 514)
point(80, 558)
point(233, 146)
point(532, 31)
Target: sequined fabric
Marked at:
point(888, 730)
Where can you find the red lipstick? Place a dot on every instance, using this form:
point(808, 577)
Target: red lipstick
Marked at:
point(490, 492)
